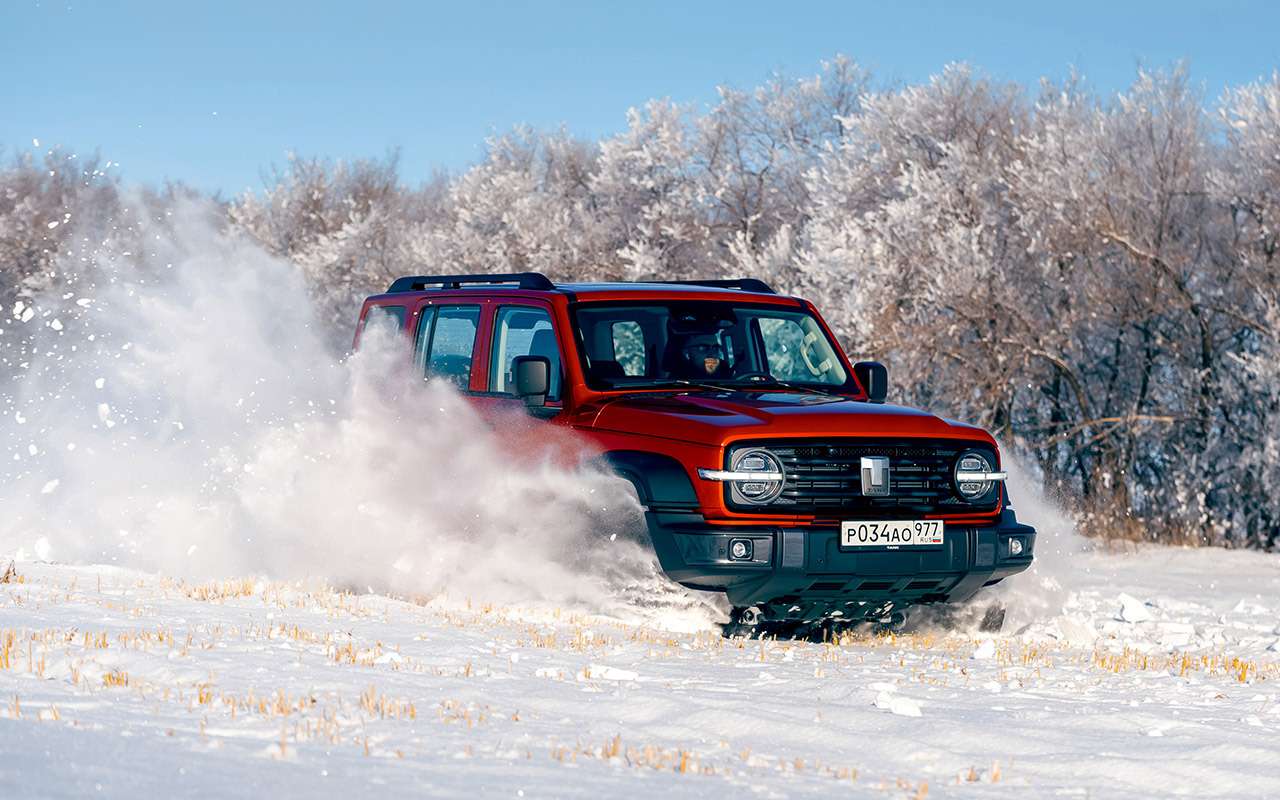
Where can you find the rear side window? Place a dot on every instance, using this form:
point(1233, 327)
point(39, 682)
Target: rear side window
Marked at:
point(383, 321)
point(446, 343)
point(523, 331)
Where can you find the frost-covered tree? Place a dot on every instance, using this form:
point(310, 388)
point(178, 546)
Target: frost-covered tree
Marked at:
point(1094, 278)
point(1246, 184)
point(755, 151)
point(522, 208)
point(336, 221)
point(912, 234)
point(646, 185)
point(42, 203)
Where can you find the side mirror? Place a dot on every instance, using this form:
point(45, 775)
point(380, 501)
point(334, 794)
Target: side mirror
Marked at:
point(531, 376)
point(874, 379)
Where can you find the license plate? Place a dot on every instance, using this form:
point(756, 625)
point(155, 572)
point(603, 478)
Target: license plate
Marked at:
point(891, 533)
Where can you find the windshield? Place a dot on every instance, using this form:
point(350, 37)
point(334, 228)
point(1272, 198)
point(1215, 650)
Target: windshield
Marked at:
point(705, 343)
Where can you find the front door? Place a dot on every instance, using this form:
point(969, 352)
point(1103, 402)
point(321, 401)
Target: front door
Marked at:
point(521, 328)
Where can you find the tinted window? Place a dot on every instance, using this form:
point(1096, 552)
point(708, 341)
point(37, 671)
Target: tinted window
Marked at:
point(708, 342)
point(522, 331)
point(446, 342)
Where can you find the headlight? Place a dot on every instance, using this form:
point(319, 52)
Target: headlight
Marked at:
point(766, 470)
point(974, 476)
point(754, 476)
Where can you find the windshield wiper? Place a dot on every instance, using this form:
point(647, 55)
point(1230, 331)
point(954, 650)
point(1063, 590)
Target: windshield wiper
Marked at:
point(772, 381)
point(669, 382)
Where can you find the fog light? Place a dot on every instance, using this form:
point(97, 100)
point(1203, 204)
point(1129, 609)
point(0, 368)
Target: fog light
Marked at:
point(740, 549)
point(1015, 547)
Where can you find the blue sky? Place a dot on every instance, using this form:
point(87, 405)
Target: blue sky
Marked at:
point(213, 93)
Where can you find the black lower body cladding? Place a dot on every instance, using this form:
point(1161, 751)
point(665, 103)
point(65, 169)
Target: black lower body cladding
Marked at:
point(803, 573)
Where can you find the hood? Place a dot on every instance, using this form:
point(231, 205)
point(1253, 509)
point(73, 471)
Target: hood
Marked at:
point(713, 418)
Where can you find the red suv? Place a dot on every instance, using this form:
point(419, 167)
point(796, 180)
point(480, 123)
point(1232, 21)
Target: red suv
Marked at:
point(769, 467)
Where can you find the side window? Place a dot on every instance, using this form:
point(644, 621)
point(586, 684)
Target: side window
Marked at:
point(783, 339)
point(446, 342)
point(628, 347)
point(385, 321)
point(797, 350)
point(522, 331)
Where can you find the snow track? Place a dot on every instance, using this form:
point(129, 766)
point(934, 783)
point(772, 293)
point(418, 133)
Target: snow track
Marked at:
point(128, 682)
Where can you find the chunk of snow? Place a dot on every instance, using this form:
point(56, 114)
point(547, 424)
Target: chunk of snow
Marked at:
point(606, 673)
point(897, 704)
point(1077, 630)
point(1252, 609)
point(43, 548)
point(985, 650)
point(50, 486)
point(1132, 609)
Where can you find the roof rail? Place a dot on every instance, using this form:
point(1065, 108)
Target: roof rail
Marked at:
point(745, 284)
point(417, 283)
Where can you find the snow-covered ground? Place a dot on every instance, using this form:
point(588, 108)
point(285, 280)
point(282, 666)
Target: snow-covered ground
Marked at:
point(1156, 673)
point(575, 670)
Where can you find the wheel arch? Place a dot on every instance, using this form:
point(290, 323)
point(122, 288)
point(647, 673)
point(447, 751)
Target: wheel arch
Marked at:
point(659, 479)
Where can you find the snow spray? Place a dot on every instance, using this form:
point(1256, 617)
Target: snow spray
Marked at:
point(174, 408)
point(1041, 592)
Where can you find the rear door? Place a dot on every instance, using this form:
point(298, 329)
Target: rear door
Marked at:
point(446, 343)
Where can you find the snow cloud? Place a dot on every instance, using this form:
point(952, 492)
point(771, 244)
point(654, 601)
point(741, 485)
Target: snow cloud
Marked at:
point(190, 420)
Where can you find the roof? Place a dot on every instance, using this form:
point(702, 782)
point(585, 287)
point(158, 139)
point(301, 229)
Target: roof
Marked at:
point(535, 282)
point(650, 287)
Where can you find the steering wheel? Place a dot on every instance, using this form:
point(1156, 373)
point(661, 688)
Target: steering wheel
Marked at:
point(805, 346)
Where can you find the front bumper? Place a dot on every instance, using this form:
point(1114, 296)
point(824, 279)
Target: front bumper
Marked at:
point(802, 573)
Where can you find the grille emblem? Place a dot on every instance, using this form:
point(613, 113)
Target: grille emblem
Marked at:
point(875, 476)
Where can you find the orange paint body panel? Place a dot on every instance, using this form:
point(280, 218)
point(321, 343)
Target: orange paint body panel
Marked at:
point(677, 438)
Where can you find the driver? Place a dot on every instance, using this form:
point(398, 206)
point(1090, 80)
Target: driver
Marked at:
point(700, 355)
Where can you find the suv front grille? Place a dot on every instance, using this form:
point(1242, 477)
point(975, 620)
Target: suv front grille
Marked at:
point(824, 478)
